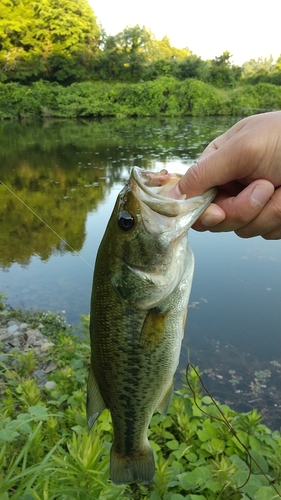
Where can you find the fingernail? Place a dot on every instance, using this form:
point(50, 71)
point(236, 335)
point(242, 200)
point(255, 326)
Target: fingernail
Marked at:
point(175, 192)
point(261, 194)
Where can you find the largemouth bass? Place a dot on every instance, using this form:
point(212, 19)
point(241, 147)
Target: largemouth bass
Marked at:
point(142, 280)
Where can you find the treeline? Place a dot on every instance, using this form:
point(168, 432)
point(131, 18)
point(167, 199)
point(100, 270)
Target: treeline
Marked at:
point(62, 42)
point(165, 96)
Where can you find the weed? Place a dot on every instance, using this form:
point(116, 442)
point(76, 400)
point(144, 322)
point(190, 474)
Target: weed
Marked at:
point(47, 453)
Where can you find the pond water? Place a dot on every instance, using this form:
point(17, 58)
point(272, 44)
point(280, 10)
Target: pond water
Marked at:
point(69, 174)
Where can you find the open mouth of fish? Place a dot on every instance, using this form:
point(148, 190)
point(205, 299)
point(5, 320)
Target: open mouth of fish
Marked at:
point(160, 212)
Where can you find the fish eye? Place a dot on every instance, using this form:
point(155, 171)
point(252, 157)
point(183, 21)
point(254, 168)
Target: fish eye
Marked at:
point(126, 221)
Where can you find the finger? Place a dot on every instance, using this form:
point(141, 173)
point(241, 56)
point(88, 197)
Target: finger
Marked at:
point(239, 210)
point(212, 216)
point(273, 235)
point(251, 146)
point(267, 223)
point(218, 167)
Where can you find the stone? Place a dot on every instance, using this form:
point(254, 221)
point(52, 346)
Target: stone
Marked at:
point(50, 366)
point(12, 322)
point(8, 334)
point(23, 326)
point(39, 374)
point(14, 342)
point(46, 346)
point(17, 334)
point(50, 385)
point(12, 329)
point(3, 358)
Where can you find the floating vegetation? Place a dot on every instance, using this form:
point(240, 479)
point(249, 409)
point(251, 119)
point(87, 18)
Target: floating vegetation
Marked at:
point(242, 380)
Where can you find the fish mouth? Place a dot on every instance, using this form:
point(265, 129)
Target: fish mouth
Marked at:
point(153, 188)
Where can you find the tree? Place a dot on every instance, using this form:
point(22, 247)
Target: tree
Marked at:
point(124, 56)
point(51, 39)
point(262, 70)
point(162, 49)
point(222, 72)
point(194, 67)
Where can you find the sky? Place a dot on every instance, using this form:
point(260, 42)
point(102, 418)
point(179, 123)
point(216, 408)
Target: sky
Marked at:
point(248, 29)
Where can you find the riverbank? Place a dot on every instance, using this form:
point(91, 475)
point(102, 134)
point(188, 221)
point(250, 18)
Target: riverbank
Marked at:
point(46, 449)
point(165, 96)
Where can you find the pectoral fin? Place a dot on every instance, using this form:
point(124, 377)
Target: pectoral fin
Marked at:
point(132, 285)
point(153, 329)
point(165, 403)
point(95, 402)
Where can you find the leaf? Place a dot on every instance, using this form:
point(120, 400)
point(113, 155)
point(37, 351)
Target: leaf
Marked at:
point(260, 460)
point(196, 497)
point(239, 463)
point(254, 443)
point(266, 493)
point(39, 412)
point(208, 432)
point(76, 363)
point(214, 445)
point(181, 451)
point(213, 486)
point(4, 496)
point(176, 496)
point(252, 485)
point(197, 477)
point(155, 446)
point(9, 434)
point(173, 445)
point(155, 496)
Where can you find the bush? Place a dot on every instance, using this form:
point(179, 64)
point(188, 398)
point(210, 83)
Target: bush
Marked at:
point(165, 96)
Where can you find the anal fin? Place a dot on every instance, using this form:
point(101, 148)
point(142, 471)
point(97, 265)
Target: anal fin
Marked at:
point(165, 403)
point(95, 402)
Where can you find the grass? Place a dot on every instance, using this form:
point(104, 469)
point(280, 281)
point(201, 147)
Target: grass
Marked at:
point(46, 451)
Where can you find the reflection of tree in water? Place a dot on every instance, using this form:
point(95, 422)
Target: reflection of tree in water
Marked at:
point(61, 196)
point(241, 380)
point(62, 170)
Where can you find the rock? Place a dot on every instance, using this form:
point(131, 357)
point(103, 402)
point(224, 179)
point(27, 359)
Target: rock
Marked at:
point(3, 358)
point(17, 334)
point(34, 337)
point(16, 337)
point(9, 333)
point(50, 366)
point(46, 346)
point(14, 342)
point(23, 326)
point(12, 329)
point(39, 374)
point(50, 385)
point(12, 322)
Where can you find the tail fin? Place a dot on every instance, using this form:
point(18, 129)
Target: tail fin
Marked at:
point(128, 469)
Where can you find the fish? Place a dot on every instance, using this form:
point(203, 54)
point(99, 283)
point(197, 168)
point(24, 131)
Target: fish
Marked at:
point(142, 281)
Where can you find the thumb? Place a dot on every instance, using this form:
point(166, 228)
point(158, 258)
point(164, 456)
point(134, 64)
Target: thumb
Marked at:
point(218, 165)
point(209, 171)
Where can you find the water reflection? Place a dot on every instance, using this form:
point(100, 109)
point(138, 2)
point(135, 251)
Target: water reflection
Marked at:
point(69, 173)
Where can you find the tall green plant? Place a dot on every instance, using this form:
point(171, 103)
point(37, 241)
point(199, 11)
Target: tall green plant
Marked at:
point(46, 452)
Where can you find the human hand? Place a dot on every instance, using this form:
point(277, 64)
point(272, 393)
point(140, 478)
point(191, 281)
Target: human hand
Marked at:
point(245, 164)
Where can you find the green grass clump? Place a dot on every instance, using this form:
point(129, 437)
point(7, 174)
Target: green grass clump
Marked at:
point(46, 451)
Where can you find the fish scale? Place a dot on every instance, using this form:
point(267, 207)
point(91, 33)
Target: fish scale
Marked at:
point(142, 281)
